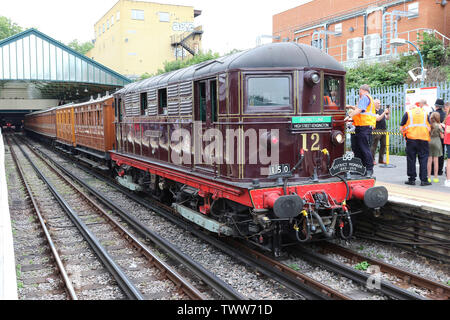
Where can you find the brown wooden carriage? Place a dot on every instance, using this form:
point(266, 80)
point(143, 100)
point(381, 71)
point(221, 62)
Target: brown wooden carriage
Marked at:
point(65, 126)
point(42, 123)
point(94, 126)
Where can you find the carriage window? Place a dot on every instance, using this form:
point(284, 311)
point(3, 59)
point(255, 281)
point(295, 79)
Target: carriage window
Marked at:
point(266, 93)
point(202, 101)
point(162, 102)
point(143, 103)
point(332, 93)
point(213, 95)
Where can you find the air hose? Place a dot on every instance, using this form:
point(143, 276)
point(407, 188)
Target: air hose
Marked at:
point(350, 225)
point(308, 230)
point(328, 234)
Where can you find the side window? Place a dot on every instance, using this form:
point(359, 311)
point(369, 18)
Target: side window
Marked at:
point(162, 102)
point(332, 93)
point(202, 101)
point(144, 103)
point(213, 94)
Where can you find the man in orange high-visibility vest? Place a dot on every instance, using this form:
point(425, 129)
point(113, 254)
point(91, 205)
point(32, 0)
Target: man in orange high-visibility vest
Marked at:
point(365, 119)
point(415, 127)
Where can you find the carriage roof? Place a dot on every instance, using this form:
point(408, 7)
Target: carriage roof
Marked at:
point(274, 55)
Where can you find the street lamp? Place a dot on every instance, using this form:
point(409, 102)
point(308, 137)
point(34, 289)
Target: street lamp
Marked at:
point(398, 42)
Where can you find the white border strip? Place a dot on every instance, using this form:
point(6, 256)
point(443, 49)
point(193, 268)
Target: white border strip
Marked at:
point(8, 282)
point(445, 209)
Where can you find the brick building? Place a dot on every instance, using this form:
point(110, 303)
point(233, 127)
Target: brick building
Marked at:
point(352, 30)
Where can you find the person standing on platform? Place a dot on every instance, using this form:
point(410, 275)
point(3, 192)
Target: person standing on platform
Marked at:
point(415, 127)
point(435, 145)
point(440, 109)
point(364, 118)
point(446, 126)
point(380, 132)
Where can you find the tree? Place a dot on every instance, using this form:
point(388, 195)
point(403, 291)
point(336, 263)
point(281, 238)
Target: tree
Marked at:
point(433, 50)
point(82, 48)
point(395, 72)
point(179, 64)
point(8, 28)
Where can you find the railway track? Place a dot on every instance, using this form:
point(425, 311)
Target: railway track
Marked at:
point(138, 271)
point(403, 278)
point(212, 282)
point(30, 237)
point(294, 280)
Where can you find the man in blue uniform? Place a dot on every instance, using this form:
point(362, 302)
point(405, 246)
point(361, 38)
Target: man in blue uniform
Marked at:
point(364, 118)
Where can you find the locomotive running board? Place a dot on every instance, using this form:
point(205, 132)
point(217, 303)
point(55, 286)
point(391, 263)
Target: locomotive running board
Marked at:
point(204, 221)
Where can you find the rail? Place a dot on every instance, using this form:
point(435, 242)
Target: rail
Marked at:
point(221, 287)
point(68, 283)
point(124, 282)
point(439, 291)
point(355, 275)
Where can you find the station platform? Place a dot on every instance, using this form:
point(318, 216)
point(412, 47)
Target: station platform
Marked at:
point(8, 283)
point(434, 198)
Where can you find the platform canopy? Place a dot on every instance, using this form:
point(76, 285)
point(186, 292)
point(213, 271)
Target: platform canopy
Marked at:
point(43, 68)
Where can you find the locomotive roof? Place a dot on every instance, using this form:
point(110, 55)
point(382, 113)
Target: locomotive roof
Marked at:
point(273, 55)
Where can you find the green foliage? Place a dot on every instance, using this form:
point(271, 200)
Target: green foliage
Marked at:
point(81, 48)
point(179, 64)
point(362, 266)
point(393, 73)
point(433, 51)
point(294, 267)
point(145, 76)
point(8, 28)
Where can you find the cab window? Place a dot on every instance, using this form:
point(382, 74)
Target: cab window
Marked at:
point(332, 93)
point(269, 94)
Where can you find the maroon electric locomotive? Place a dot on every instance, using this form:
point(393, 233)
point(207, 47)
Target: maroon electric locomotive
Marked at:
point(250, 145)
point(243, 145)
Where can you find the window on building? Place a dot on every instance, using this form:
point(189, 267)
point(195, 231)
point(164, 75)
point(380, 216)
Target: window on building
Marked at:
point(164, 17)
point(107, 24)
point(137, 14)
point(413, 10)
point(112, 21)
point(118, 15)
point(317, 43)
point(103, 28)
point(338, 28)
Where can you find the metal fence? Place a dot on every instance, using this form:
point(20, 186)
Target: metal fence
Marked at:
point(395, 97)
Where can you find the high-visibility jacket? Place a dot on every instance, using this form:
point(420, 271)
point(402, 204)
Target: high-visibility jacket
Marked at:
point(367, 118)
point(329, 103)
point(417, 126)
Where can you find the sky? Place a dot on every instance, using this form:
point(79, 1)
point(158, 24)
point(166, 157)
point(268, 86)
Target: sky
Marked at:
point(227, 25)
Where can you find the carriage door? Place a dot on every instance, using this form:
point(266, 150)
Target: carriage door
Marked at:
point(206, 110)
point(118, 120)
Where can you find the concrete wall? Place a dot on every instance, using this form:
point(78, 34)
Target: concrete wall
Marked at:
point(26, 104)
